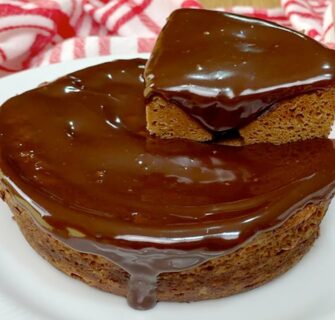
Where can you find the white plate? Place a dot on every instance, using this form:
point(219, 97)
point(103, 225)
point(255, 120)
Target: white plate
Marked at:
point(31, 289)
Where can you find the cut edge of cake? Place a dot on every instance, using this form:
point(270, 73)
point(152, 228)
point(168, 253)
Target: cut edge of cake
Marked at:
point(306, 116)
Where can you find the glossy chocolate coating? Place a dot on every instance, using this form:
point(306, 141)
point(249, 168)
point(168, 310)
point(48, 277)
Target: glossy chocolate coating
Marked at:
point(77, 151)
point(224, 70)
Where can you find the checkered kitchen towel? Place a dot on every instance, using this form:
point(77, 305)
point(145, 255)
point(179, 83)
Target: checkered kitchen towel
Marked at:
point(39, 32)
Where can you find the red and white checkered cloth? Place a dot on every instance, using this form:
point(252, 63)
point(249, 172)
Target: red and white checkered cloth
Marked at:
point(39, 32)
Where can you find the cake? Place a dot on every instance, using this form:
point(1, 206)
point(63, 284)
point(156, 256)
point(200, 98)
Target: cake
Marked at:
point(151, 219)
point(219, 76)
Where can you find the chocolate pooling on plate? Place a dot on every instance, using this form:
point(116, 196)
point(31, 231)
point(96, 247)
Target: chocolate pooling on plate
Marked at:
point(225, 70)
point(77, 152)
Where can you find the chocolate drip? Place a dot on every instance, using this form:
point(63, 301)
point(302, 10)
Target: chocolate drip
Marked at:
point(225, 70)
point(143, 266)
point(77, 155)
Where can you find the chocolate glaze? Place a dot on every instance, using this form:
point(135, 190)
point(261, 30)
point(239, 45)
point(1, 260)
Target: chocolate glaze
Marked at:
point(224, 70)
point(76, 154)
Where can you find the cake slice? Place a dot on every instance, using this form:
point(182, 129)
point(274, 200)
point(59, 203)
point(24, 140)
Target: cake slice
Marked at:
point(220, 75)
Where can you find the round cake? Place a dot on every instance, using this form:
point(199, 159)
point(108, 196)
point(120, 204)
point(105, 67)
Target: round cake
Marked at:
point(106, 203)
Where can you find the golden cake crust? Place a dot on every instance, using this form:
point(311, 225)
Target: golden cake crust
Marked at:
point(267, 256)
point(303, 117)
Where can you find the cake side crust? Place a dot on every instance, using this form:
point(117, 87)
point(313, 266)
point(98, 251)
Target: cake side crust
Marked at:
point(304, 117)
point(168, 121)
point(267, 256)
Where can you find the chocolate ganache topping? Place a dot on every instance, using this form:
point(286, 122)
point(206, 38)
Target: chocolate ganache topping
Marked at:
point(76, 154)
point(224, 70)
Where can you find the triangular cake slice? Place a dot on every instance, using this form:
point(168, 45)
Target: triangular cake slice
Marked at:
point(214, 74)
